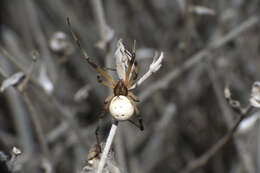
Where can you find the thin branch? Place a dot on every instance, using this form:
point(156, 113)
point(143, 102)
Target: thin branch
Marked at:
point(64, 113)
point(201, 161)
point(37, 125)
point(105, 31)
point(107, 147)
point(40, 38)
point(7, 55)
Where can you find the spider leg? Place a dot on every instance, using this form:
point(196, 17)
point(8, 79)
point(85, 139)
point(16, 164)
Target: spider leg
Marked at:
point(134, 123)
point(140, 119)
point(104, 82)
point(135, 75)
point(99, 124)
point(106, 106)
point(85, 55)
point(130, 64)
point(108, 100)
point(133, 97)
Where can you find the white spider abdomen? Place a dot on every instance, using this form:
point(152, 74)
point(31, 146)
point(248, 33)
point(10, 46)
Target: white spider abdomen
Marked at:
point(121, 108)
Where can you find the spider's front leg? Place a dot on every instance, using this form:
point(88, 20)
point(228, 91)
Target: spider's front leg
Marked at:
point(135, 74)
point(85, 55)
point(132, 62)
point(106, 106)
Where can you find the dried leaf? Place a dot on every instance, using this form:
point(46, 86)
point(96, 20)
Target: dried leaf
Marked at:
point(255, 95)
point(13, 80)
point(16, 151)
point(121, 59)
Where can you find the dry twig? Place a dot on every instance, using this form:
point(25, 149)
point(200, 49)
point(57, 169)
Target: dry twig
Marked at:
point(109, 141)
point(201, 161)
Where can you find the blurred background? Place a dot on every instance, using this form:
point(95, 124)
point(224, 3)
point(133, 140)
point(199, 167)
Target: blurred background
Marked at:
point(52, 119)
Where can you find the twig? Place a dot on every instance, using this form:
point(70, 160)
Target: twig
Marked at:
point(198, 57)
point(105, 32)
point(38, 129)
point(121, 61)
point(66, 114)
point(100, 17)
point(7, 55)
point(33, 115)
point(155, 66)
point(107, 147)
point(201, 161)
point(246, 160)
point(37, 32)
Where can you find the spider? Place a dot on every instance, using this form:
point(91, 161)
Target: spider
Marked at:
point(121, 103)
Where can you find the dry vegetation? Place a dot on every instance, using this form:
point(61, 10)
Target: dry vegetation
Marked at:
point(52, 111)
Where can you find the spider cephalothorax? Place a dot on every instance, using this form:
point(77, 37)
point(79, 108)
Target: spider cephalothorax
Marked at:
point(121, 103)
point(120, 88)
